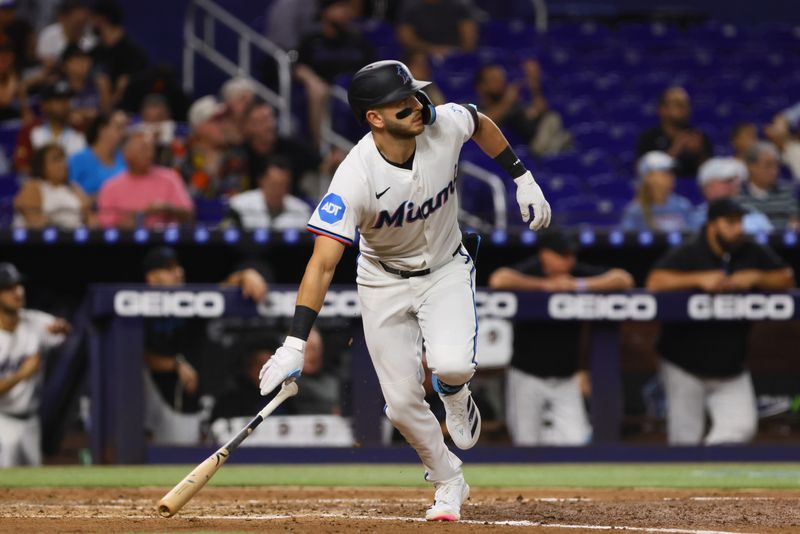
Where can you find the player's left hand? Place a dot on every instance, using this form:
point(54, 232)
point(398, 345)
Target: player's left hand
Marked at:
point(529, 194)
point(59, 326)
point(285, 363)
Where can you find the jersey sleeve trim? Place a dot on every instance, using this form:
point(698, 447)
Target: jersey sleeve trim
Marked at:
point(319, 231)
point(473, 111)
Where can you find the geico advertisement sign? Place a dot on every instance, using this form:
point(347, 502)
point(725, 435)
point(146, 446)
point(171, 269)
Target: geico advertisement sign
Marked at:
point(751, 307)
point(565, 306)
point(346, 304)
point(169, 304)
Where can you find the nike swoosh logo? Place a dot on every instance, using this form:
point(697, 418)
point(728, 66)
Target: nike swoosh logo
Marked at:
point(379, 195)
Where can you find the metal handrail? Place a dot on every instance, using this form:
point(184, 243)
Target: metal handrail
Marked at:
point(540, 8)
point(247, 37)
point(498, 188)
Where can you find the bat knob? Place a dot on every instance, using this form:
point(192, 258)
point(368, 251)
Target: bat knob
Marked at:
point(164, 510)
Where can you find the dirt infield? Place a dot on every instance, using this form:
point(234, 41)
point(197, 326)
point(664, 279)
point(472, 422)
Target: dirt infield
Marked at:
point(388, 510)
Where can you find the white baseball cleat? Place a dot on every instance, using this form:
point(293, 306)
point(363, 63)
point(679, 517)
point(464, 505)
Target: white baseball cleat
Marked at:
point(463, 418)
point(448, 500)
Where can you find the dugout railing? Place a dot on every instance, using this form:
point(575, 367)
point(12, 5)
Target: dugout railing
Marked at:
point(116, 340)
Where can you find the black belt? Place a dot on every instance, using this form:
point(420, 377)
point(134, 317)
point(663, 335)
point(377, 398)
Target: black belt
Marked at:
point(19, 416)
point(411, 274)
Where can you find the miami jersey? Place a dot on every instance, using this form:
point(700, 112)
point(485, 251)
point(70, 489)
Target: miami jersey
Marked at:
point(407, 219)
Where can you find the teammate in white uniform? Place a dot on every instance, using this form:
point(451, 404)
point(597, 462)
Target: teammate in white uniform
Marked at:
point(24, 336)
point(397, 188)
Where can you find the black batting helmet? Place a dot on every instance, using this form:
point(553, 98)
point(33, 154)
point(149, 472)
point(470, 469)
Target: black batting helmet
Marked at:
point(383, 82)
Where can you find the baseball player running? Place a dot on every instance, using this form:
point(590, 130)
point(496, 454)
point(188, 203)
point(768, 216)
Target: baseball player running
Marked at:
point(397, 188)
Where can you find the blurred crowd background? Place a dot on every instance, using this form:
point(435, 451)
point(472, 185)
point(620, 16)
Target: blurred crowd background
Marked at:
point(662, 122)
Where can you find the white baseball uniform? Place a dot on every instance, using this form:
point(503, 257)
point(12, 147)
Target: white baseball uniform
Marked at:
point(408, 221)
point(19, 421)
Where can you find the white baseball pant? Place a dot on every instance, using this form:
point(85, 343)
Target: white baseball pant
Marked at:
point(398, 314)
point(731, 405)
point(20, 441)
point(528, 396)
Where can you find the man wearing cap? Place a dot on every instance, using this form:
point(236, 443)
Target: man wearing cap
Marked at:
point(212, 167)
point(56, 109)
point(172, 350)
point(545, 368)
point(719, 178)
point(703, 363)
point(145, 194)
point(656, 206)
point(25, 337)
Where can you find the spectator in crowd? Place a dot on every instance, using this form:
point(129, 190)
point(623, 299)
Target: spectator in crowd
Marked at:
point(212, 168)
point(25, 337)
point(156, 116)
point(144, 194)
point(657, 206)
point(722, 178)
point(675, 135)
point(238, 95)
point(263, 143)
point(55, 128)
point(337, 48)
point(173, 347)
point(437, 27)
point(288, 20)
point(102, 159)
point(320, 388)
point(703, 363)
point(545, 367)
point(17, 34)
point(10, 85)
point(117, 56)
point(538, 126)
point(743, 134)
point(271, 205)
point(243, 398)
point(76, 68)
point(72, 27)
point(763, 191)
point(784, 132)
point(419, 65)
point(49, 198)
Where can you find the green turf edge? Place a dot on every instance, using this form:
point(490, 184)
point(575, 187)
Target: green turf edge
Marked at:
point(709, 475)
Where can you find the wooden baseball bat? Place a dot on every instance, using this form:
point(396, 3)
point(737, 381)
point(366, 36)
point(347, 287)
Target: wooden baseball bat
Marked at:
point(173, 501)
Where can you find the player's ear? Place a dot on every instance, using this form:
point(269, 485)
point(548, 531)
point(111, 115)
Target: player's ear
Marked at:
point(375, 119)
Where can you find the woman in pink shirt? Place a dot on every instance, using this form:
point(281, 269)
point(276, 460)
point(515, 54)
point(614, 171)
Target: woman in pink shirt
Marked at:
point(144, 195)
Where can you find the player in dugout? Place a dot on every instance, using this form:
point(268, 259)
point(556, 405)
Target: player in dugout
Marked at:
point(703, 363)
point(397, 187)
point(545, 366)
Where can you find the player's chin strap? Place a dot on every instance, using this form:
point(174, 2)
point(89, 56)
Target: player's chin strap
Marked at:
point(428, 109)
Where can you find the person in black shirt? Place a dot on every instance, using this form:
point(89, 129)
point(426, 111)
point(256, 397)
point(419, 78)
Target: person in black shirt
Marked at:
point(689, 146)
point(437, 27)
point(703, 363)
point(544, 369)
point(117, 56)
point(337, 48)
point(243, 398)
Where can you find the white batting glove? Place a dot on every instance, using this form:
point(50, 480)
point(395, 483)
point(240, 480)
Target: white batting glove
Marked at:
point(285, 363)
point(529, 194)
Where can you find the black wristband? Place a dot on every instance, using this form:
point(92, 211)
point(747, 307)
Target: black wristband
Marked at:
point(510, 163)
point(302, 322)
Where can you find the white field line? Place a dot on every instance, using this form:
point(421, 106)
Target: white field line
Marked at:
point(277, 517)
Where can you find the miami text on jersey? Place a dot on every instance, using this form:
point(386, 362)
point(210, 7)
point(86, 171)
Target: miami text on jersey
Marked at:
point(407, 211)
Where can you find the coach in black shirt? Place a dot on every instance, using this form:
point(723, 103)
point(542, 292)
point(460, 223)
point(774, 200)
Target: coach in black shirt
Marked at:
point(544, 367)
point(703, 362)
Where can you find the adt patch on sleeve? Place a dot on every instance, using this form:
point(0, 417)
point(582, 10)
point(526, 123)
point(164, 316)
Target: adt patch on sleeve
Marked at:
point(332, 208)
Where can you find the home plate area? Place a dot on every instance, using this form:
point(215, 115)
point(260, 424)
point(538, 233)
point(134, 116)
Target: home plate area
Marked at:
point(341, 510)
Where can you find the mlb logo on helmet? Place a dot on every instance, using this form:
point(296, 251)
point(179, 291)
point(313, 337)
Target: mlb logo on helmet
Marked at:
point(404, 74)
point(332, 208)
